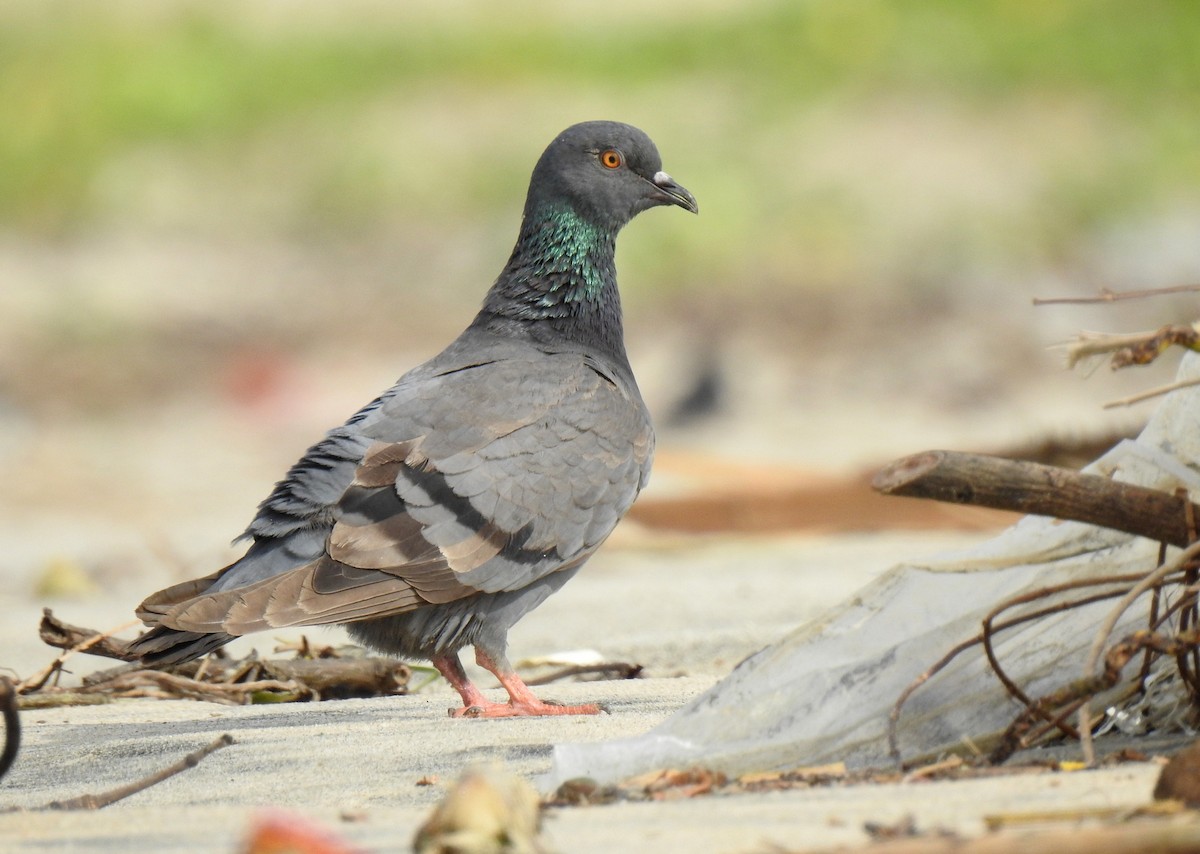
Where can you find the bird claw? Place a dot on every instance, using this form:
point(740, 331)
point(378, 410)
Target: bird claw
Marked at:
point(514, 710)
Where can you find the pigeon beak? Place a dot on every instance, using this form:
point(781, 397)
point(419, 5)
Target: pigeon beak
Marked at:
point(667, 192)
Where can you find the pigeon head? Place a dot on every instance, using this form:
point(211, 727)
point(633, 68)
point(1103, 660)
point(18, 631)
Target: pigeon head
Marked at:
point(606, 173)
point(561, 280)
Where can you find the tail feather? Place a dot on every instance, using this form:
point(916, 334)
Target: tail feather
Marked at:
point(156, 606)
point(162, 645)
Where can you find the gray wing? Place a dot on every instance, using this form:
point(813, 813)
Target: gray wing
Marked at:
point(482, 478)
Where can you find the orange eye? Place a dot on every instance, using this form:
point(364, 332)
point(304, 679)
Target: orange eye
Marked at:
point(611, 159)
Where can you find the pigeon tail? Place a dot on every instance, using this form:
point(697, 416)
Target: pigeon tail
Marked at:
point(162, 646)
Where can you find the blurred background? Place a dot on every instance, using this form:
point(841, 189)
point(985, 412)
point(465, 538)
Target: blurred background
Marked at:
point(226, 225)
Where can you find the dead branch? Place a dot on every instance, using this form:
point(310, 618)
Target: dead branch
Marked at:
point(1087, 686)
point(993, 626)
point(343, 678)
point(326, 678)
point(159, 684)
point(1102, 634)
point(94, 639)
point(95, 802)
point(12, 724)
point(1061, 493)
point(1042, 490)
point(606, 670)
point(1157, 391)
point(1145, 352)
point(57, 698)
point(216, 679)
point(1106, 295)
point(1088, 344)
point(1132, 348)
point(54, 632)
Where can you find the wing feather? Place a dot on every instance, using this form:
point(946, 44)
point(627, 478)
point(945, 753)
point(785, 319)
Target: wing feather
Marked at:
point(481, 479)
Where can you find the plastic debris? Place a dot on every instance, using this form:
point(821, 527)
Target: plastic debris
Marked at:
point(824, 692)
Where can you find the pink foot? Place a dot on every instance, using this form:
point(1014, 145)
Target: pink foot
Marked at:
point(522, 701)
point(537, 708)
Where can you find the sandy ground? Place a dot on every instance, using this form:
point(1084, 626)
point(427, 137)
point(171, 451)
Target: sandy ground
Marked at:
point(687, 609)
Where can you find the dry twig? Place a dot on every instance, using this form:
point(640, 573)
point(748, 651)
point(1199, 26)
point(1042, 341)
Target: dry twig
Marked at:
point(159, 685)
point(327, 676)
point(54, 632)
point(1132, 348)
point(1106, 295)
point(1157, 391)
point(1080, 690)
point(1106, 628)
point(95, 802)
point(37, 682)
point(605, 670)
point(993, 626)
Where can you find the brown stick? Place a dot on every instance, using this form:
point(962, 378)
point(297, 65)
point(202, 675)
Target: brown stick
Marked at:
point(1106, 295)
point(1038, 489)
point(56, 633)
point(35, 683)
point(95, 802)
point(610, 670)
point(343, 677)
point(157, 683)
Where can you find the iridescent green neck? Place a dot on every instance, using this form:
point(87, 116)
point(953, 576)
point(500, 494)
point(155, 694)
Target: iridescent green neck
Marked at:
point(560, 283)
point(561, 264)
point(568, 259)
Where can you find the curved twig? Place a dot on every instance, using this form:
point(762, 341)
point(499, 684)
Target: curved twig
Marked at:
point(1105, 630)
point(894, 715)
point(986, 637)
point(12, 725)
point(36, 682)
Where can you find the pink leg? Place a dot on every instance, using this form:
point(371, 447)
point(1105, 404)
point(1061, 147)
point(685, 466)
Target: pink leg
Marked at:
point(522, 701)
point(452, 671)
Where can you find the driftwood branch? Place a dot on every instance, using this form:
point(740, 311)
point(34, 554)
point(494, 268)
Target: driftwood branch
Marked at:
point(233, 681)
point(218, 680)
point(86, 641)
point(1041, 490)
point(54, 632)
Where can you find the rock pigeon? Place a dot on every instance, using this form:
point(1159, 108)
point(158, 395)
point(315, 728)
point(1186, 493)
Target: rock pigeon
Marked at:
point(455, 502)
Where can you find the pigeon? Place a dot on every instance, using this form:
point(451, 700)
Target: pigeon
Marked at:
point(454, 503)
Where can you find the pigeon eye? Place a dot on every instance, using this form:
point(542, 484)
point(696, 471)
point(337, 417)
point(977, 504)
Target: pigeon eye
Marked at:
point(611, 159)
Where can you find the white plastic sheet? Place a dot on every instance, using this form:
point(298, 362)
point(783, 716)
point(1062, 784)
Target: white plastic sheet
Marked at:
point(823, 693)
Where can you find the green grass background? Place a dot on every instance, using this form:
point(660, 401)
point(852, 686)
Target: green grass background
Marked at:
point(907, 152)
